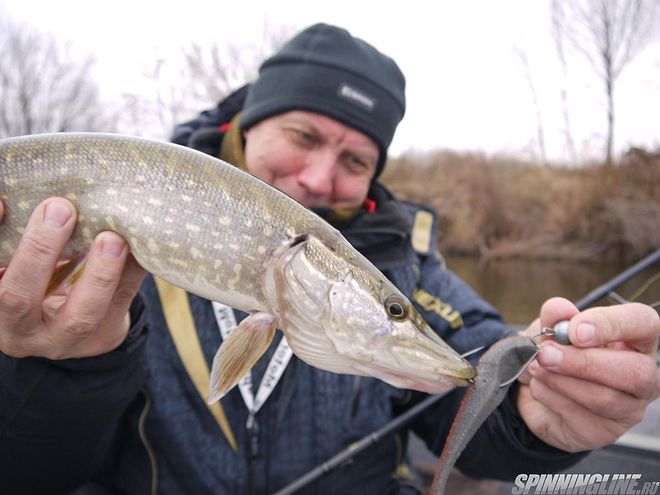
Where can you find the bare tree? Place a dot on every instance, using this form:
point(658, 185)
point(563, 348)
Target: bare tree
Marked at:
point(558, 23)
point(43, 87)
point(215, 70)
point(609, 33)
point(540, 134)
point(196, 78)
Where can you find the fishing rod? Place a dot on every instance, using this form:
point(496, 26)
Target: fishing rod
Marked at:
point(623, 277)
point(367, 441)
point(357, 447)
point(405, 418)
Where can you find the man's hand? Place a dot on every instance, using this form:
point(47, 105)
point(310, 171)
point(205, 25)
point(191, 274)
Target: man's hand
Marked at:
point(87, 319)
point(585, 396)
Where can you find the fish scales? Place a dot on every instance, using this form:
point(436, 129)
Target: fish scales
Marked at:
point(334, 265)
point(191, 219)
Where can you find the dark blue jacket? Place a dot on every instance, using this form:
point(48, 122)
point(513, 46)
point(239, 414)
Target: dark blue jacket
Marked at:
point(132, 422)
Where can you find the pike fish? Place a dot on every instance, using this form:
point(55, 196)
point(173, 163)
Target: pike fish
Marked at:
point(218, 232)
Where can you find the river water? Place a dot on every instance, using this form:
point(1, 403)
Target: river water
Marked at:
point(517, 288)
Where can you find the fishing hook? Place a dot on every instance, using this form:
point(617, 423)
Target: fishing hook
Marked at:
point(559, 333)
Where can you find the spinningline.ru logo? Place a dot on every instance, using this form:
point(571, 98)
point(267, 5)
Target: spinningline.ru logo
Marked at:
point(594, 484)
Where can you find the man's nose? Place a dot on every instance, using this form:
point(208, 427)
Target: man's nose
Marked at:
point(319, 172)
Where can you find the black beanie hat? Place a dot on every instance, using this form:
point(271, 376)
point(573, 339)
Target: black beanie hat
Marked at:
point(326, 70)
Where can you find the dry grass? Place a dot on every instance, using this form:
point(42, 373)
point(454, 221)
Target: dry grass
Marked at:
point(502, 207)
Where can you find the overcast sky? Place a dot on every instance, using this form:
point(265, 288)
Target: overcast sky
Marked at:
point(466, 85)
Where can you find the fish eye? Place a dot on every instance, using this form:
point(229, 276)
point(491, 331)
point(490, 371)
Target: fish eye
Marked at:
point(396, 307)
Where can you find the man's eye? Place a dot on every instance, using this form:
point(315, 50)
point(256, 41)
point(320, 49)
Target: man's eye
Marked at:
point(303, 136)
point(357, 161)
point(357, 164)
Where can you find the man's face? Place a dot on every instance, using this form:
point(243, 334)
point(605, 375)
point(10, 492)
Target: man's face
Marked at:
point(316, 160)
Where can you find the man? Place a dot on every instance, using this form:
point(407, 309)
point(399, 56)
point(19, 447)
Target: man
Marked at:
point(98, 392)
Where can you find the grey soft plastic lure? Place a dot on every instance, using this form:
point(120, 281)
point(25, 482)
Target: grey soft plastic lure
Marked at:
point(497, 370)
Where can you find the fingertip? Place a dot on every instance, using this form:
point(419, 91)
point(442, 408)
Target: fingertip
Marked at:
point(558, 304)
point(111, 245)
point(557, 309)
point(550, 356)
point(56, 212)
point(533, 368)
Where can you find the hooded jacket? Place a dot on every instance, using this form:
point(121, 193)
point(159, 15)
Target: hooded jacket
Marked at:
point(132, 421)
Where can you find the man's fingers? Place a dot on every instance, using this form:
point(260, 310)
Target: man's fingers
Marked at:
point(624, 370)
point(599, 399)
point(128, 287)
point(25, 281)
point(91, 296)
point(577, 428)
point(638, 325)
point(555, 310)
point(113, 329)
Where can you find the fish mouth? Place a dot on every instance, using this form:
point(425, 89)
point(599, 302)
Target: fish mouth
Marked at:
point(433, 372)
point(425, 363)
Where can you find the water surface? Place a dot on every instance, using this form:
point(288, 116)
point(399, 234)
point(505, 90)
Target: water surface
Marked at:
point(517, 288)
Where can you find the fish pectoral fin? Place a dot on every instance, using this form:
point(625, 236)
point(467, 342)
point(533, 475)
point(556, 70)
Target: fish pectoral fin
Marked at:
point(239, 352)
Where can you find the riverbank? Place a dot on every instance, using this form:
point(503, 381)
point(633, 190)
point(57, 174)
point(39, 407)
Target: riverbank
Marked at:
point(496, 207)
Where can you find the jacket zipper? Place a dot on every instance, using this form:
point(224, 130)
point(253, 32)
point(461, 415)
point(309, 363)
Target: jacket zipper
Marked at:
point(146, 444)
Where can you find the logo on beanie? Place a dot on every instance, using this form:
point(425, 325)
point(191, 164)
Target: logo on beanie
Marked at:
point(354, 95)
